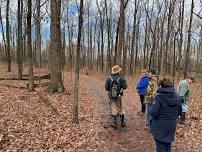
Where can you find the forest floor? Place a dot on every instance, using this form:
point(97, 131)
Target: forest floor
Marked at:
point(40, 121)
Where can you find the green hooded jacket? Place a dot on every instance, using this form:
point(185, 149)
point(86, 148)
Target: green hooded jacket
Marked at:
point(184, 90)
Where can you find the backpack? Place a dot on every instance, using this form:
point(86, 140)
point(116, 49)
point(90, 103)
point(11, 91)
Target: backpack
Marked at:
point(115, 88)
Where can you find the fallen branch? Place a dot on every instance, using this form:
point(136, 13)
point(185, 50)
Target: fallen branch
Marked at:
point(26, 77)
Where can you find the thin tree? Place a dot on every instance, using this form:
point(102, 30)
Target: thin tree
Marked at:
point(76, 81)
point(8, 55)
point(19, 38)
point(38, 33)
point(56, 84)
point(181, 21)
point(121, 32)
point(29, 44)
point(187, 53)
point(2, 30)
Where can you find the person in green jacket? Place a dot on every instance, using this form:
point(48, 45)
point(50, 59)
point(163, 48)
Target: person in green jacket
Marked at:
point(184, 92)
point(114, 85)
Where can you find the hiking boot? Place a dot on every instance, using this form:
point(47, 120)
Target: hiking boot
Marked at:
point(147, 128)
point(122, 121)
point(182, 118)
point(114, 125)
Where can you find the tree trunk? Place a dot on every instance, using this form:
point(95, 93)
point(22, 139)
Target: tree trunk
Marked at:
point(8, 56)
point(145, 44)
point(187, 53)
point(29, 44)
point(181, 23)
point(121, 33)
point(133, 41)
point(136, 44)
point(56, 84)
point(108, 18)
point(19, 39)
point(38, 34)
point(2, 30)
point(76, 81)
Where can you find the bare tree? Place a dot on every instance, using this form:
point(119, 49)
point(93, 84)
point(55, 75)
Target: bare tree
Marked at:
point(19, 38)
point(37, 17)
point(8, 37)
point(29, 44)
point(56, 84)
point(76, 81)
point(187, 53)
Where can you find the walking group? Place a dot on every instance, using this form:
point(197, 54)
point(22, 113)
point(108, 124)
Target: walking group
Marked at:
point(161, 103)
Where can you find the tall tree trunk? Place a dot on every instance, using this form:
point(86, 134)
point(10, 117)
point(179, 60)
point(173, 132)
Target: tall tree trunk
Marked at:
point(145, 44)
point(29, 44)
point(19, 39)
point(56, 84)
point(136, 44)
point(181, 24)
point(102, 42)
point(133, 41)
point(108, 18)
point(76, 81)
point(8, 37)
point(187, 53)
point(38, 33)
point(63, 49)
point(2, 30)
point(121, 32)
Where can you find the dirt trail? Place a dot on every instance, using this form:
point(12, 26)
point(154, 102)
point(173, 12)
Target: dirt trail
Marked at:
point(133, 138)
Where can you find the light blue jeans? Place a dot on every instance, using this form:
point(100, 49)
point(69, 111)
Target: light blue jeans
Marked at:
point(185, 107)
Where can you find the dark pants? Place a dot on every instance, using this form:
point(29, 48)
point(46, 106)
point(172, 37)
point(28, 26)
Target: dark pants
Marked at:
point(162, 146)
point(149, 116)
point(142, 103)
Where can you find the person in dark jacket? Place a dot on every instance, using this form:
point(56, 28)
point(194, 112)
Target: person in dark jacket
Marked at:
point(165, 110)
point(115, 99)
point(141, 88)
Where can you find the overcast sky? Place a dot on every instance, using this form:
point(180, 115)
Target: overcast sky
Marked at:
point(46, 26)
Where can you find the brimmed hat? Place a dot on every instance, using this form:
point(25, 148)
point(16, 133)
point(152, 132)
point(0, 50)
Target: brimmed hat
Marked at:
point(152, 71)
point(116, 69)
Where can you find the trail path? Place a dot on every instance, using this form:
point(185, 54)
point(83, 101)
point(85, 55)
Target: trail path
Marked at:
point(132, 138)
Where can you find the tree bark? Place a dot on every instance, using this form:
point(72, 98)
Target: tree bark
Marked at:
point(8, 56)
point(19, 39)
point(29, 44)
point(76, 81)
point(121, 33)
point(56, 84)
point(38, 33)
point(187, 53)
point(181, 23)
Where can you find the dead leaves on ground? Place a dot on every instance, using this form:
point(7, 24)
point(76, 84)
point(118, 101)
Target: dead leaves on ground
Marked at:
point(35, 121)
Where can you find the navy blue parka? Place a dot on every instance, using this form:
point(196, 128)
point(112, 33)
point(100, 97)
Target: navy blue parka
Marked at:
point(165, 110)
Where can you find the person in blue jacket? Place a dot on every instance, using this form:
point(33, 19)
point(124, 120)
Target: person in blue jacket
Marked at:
point(166, 108)
point(141, 88)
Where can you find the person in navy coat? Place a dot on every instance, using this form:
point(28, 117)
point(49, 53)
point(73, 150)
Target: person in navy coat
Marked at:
point(141, 88)
point(166, 108)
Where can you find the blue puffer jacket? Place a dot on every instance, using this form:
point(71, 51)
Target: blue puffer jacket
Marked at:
point(141, 87)
point(165, 109)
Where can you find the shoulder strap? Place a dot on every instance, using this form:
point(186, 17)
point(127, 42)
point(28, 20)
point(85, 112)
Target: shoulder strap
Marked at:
point(111, 78)
point(118, 79)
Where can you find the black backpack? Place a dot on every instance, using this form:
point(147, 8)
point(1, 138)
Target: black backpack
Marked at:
point(115, 88)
